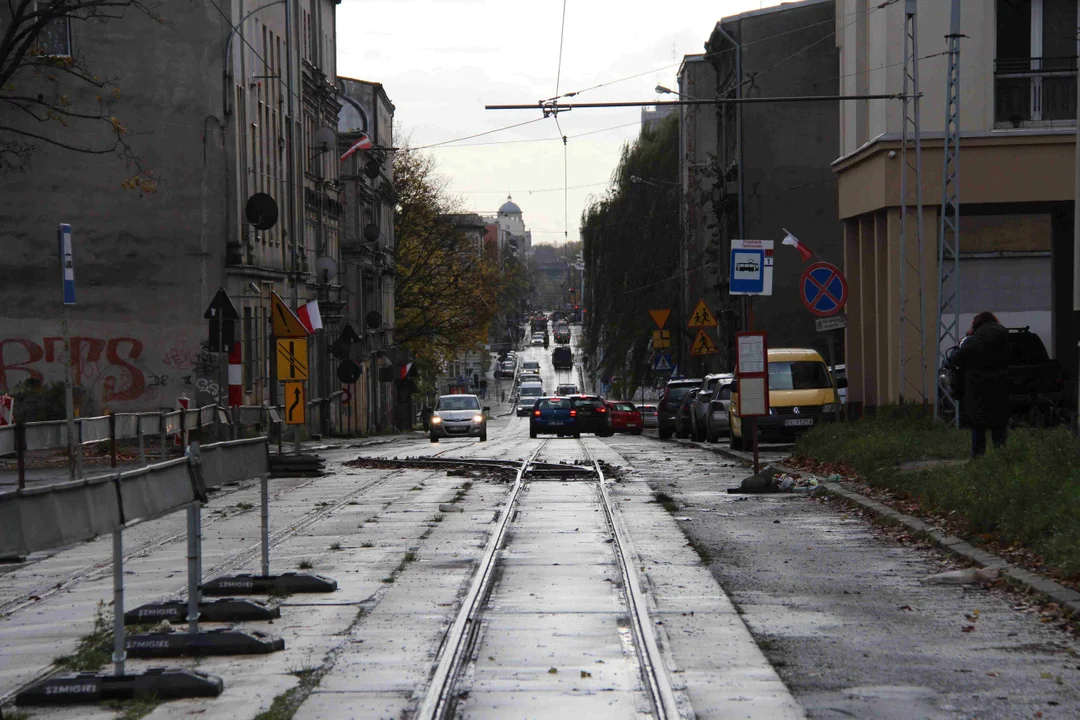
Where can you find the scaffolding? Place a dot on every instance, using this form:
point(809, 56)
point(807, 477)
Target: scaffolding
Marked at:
point(948, 323)
point(911, 250)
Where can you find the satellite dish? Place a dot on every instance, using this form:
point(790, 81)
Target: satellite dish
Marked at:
point(371, 232)
point(325, 140)
point(327, 267)
point(261, 211)
point(373, 320)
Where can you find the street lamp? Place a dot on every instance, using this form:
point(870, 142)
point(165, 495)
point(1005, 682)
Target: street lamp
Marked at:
point(668, 91)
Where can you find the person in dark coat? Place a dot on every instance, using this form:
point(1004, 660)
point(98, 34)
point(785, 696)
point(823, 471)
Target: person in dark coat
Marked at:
point(983, 362)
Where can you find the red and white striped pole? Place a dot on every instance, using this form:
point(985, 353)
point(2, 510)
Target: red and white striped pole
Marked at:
point(236, 376)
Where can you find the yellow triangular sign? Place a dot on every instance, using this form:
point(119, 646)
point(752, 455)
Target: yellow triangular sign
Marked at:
point(660, 317)
point(286, 324)
point(703, 344)
point(702, 317)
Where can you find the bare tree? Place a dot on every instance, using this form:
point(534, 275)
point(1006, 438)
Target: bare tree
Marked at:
point(41, 73)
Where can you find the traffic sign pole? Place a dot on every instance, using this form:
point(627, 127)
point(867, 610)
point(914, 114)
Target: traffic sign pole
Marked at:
point(67, 272)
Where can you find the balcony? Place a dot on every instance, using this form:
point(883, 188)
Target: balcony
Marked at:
point(1035, 92)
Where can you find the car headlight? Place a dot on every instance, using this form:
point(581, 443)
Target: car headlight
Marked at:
point(477, 418)
point(435, 419)
point(828, 407)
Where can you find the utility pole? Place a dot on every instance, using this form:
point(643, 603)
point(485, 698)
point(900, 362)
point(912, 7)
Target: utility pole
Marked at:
point(948, 325)
point(911, 139)
point(290, 6)
point(1076, 232)
point(67, 271)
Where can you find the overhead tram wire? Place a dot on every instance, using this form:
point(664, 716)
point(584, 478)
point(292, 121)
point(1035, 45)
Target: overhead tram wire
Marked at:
point(575, 93)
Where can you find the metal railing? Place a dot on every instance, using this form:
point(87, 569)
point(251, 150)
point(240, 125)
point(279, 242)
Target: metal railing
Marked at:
point(1035, 92)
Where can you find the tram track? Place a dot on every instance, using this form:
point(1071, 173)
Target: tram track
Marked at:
point(455, 657)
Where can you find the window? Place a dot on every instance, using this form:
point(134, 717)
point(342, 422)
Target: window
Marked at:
point(804, 375)
point(1035, 63)
point(55, 37)
point(464, 402)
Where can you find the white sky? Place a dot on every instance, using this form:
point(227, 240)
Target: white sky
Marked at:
point(441, 61)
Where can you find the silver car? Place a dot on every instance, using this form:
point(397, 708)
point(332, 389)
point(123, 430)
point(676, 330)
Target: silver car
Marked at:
point(458, 416)
point(719, 419)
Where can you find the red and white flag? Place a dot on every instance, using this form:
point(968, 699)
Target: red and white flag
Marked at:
point(7, 410)
point(794, 242)
point(364, 143)
point(309, 316)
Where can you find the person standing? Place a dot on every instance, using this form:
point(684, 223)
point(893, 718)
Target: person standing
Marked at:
point(983, 361)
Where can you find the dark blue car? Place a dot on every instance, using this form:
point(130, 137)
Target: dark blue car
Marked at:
point(553, 416)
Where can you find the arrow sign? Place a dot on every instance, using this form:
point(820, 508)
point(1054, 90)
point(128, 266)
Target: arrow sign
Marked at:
point(295, 405)
point(222, 315)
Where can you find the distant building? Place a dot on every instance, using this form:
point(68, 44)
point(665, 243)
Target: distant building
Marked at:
point(367, 252)
point(651, 116)
point(514, 240)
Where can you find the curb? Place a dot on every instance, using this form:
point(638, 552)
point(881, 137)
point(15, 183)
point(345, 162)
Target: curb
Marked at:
point(1067, 598)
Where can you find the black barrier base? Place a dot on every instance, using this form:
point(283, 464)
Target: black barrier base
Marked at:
point(208, 642)
point(88, 687)
point(225, 610)
point(248, 584)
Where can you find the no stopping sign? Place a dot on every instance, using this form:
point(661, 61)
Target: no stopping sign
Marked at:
point(823, 289)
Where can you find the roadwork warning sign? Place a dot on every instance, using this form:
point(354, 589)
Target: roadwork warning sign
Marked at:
point(292, 359)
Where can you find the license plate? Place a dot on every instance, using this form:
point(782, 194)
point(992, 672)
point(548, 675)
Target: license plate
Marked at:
point(555, 422)
point(799, 422)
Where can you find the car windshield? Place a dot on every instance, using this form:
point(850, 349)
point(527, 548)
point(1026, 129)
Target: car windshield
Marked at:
point(530, 365)
point(675, 394)
point(586, 402)
point(531, 392)
point(625, 407)
point(724, 394)
point(555, 403)
point(465, 402)
point(799, 375)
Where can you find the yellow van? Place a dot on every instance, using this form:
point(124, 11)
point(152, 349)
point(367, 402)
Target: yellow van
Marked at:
point(800, 397)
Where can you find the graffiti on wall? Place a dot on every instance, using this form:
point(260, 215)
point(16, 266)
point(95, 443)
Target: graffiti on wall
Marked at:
point(109, 366)
point(126, 370)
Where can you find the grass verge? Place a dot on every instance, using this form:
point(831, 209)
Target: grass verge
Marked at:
point(94, 649)
point(1026, 495)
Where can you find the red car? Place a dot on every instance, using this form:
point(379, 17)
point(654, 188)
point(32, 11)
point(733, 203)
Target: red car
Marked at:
point(625, 417)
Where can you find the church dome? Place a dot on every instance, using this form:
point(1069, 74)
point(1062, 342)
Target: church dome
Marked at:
point(509, 207)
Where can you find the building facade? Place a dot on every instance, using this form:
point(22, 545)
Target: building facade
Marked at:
point(772, 164)
point(224, 104)
point(367, 251)
point(1016, 186)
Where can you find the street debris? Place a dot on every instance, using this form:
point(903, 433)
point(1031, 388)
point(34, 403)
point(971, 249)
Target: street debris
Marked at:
point(967, 576)
point(448, 508)
point(772, 480)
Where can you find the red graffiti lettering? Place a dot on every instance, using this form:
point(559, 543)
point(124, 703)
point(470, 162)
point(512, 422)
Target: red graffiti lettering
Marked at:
point(83, 363)
point(136, 381)
point(33, 355)
point(52, 344)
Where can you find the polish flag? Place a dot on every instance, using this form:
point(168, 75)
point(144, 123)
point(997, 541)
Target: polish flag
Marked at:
point(793, 241)
point(364, 143)
point(309, 316)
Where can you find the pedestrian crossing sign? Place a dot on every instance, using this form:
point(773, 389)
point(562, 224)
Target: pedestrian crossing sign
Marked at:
point(663, 363)
point(702, 317)
point(661, 339)
point(703, 344)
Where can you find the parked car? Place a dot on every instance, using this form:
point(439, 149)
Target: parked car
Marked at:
point(684, 414)
point(668, 406)
point(458, 416)
point(800, 397)
point(625, 417)
point(506, 370)
point(527, 396)
point(699, 413)
point(719, 407)
point(592, 414)
point(648, 415)
point(553, 415)
point(565, 390)
point(840, 373)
